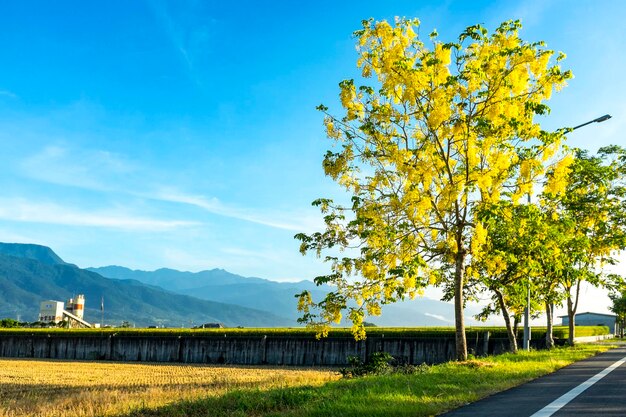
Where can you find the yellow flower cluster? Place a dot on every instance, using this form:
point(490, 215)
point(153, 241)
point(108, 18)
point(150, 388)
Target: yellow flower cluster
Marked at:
point(558, 180)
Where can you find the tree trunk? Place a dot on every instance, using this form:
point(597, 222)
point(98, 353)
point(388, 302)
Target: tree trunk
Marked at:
point(572, 306)
point(516, 321)
point(461, 342)
point(507, 321)
point(572, 324)
point(549, 338)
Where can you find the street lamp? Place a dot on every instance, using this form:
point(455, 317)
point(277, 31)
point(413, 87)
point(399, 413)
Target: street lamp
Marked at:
point(597, 120)
point(526, 344)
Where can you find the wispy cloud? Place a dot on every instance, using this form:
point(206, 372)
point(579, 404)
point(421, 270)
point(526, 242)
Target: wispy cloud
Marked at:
point(7, 93)
point(188, 33)
point(21, 210)
point(78, 168)
point(437, 316)
point(213, 205)
point(108, 172)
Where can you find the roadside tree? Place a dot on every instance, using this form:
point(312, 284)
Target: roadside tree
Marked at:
point(551, 267)
point(592, 214)
point(507, 264)
point(619, 308)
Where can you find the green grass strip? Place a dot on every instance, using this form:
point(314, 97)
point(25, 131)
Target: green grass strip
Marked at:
point(433, 391)
point(422, 332)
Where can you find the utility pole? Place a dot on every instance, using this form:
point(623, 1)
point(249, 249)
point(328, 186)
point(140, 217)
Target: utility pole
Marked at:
point(527, 332)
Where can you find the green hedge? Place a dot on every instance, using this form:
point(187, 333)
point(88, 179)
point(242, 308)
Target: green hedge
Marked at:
point(582, 331)
point(560, 332)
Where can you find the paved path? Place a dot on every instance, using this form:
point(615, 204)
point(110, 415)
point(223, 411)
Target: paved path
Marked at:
point(606, 397)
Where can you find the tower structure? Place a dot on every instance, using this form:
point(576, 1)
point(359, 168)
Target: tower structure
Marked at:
point(76, 306)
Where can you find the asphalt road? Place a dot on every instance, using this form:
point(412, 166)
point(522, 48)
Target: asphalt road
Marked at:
point(606, 397)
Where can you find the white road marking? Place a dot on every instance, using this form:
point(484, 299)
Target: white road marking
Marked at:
point(560, 402)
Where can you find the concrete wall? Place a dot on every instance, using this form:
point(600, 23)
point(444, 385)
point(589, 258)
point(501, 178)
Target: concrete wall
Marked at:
point(272, 350)
point(589, 339)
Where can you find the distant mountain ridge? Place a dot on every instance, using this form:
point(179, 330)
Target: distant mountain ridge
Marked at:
point(39, 253)
point(222, 286)
point(278, 297)
point(173, 279)
point(30, 274)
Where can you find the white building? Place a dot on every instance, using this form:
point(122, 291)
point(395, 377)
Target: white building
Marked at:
point(51, 310)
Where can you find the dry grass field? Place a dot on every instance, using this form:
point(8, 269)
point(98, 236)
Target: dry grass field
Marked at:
point(50, 388)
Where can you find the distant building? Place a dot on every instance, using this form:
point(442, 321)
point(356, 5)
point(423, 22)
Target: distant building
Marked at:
point(56, 311)
point(51, 310)
point(210, 326)
point(76, 306)
point(593, 319)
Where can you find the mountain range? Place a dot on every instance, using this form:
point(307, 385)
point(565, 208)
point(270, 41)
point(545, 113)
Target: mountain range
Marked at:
point(279, 297)
point(30, 274)
point(223, 286)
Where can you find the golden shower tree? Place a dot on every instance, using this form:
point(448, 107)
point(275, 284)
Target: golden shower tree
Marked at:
point(441, 129)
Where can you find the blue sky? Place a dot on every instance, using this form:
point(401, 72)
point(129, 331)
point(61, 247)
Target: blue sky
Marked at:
point(184, 134)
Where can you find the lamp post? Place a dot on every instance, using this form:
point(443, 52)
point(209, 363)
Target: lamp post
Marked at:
point(526, 344)
point(596, 120)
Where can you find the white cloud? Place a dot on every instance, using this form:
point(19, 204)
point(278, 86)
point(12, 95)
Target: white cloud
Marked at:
point(76, 168)
point(115, 174)
point(104, 171)
point(213, 205)
point(188, 33)
point(21, 210)
point(7, 93)
point(438, 317)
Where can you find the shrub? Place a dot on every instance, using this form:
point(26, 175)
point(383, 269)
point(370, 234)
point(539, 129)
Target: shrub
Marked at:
point(379, 363)
point(9, 323)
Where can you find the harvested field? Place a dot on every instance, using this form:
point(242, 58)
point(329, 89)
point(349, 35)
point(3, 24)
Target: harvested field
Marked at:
point(68, 388)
